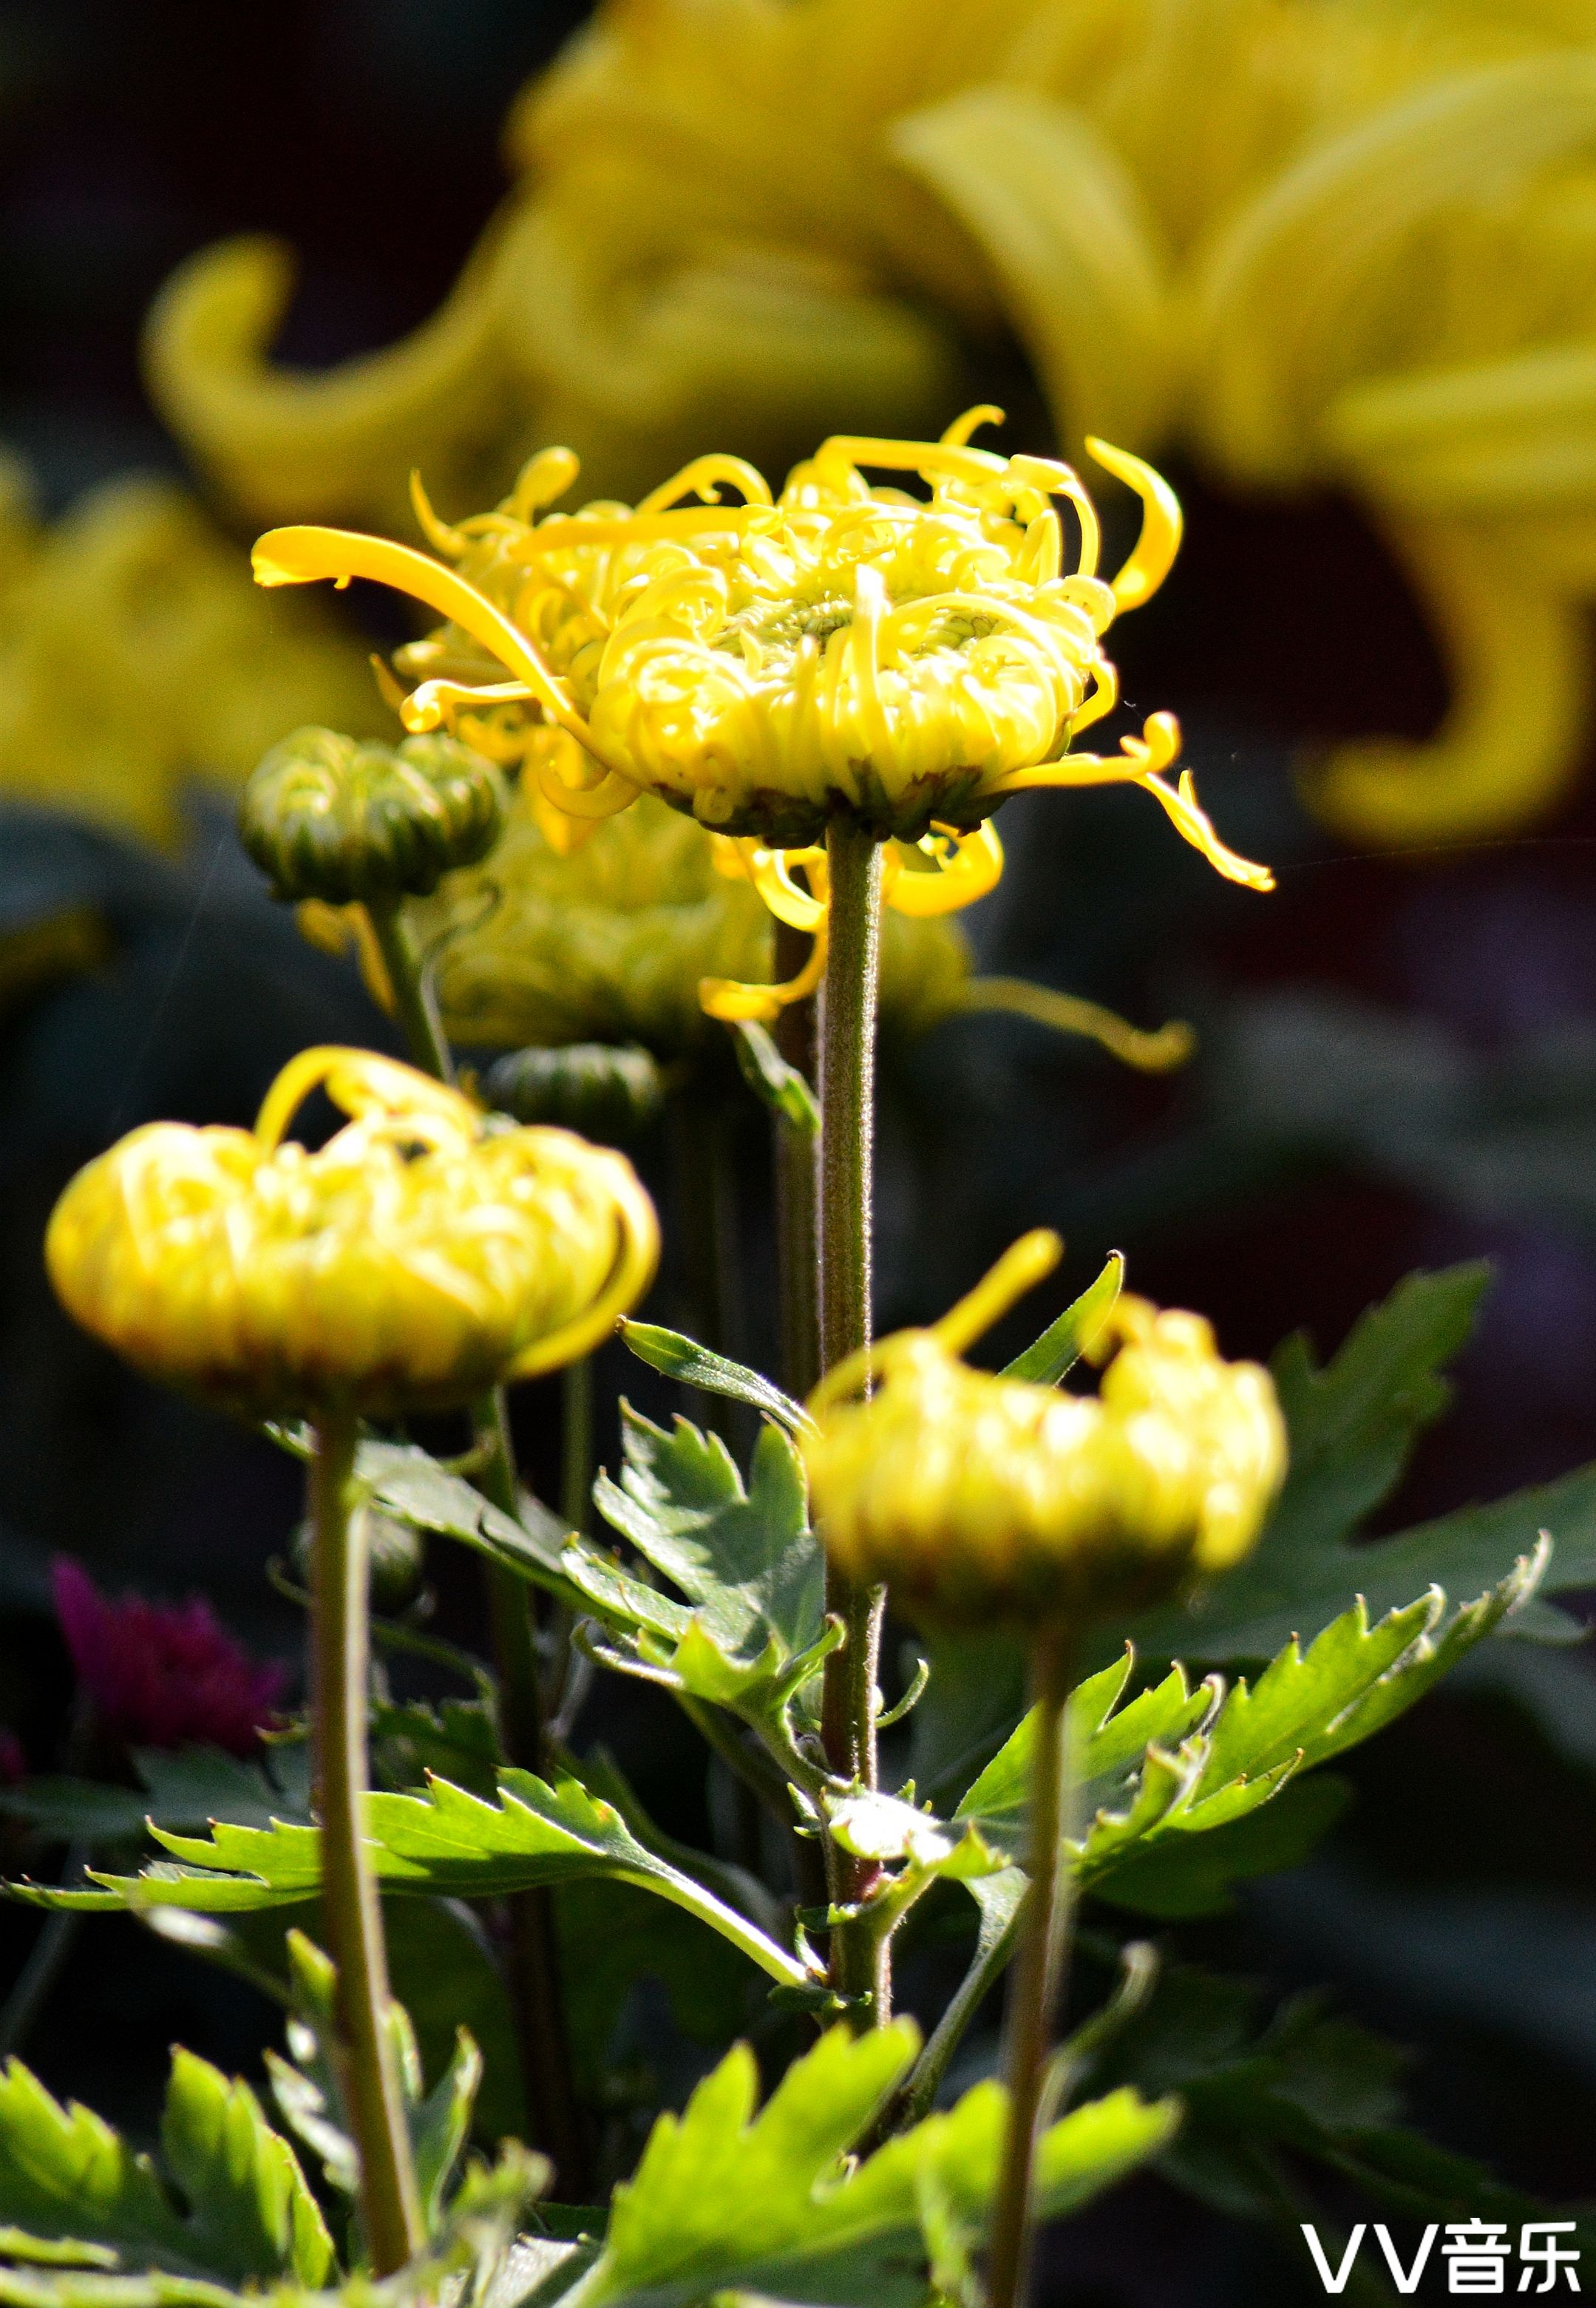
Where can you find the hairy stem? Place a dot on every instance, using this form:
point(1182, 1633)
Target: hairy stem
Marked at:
point(860, 1957)
point(415, 1005)
point(1038, 1971)
point(390, 2201)
point(797, 1249)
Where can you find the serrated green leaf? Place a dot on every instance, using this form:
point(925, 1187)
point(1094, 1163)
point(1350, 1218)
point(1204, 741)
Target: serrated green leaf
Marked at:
point(1195, 1875)
point(455, 1741)
point(408, 1484)
point(1055, 1353)
point(727, 2198)
point(1304, 2082)
point(746, 1559)
point(1171, 1767)
point(247, 2215)
point(182, 1787)
point(444, 1841)
point(1352, 1428)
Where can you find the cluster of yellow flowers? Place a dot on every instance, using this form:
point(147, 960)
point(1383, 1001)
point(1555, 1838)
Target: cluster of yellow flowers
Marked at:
point(135, 657)
point(1319, 243)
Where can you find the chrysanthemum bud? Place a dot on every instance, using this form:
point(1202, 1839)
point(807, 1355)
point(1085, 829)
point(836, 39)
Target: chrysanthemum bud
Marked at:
point(983, 1500)
point(606, 1092)
point(416, 1259)
point(331, 817)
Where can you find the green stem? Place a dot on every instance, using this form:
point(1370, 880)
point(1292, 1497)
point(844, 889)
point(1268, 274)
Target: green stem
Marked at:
point(861, 1956)
point(797, 1252)
point(553, 2113)
point(1044, 1926)
point(415, 1005)
point(390, 2201)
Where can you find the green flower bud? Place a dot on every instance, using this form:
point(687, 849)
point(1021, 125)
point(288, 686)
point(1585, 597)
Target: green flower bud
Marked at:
point(607, 1093)
point(337, 818)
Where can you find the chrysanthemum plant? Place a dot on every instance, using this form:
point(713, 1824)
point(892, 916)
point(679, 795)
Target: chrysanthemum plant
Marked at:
point(840, 685)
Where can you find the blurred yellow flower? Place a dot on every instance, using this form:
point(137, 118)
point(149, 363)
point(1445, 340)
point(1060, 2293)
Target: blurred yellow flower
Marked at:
point(135, 656)
point(416, 1259)
point(984, 1500)
point(1322, 244)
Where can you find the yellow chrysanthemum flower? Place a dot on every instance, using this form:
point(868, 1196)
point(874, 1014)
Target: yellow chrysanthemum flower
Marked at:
point(136, 657)
point(415, 1260)
point(1324, 244)
point(982, 1500)
point(770, 665)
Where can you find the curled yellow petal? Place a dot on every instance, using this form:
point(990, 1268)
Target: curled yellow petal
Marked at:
point(729, 999)
point(1156, 1052)
point(1152, 557)
point(969, 865)
point(1138, 762)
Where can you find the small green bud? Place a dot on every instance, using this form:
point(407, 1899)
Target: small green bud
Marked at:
point(395, 1557)
point(607, 1093)
point(337, 818)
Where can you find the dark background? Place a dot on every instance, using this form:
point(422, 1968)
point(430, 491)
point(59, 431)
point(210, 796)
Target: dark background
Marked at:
point(367, 134)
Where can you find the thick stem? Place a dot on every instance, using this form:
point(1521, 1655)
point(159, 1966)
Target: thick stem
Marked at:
point(553, 2113)
point(390, 2201)
point(1038, 1971)
point(415, 1005)
point(795, 1157)
point(860, 1957)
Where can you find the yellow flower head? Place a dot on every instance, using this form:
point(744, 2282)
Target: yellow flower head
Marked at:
point(1322, 244)
point(985, 1500)
point(844, 649)
point(414, 1260)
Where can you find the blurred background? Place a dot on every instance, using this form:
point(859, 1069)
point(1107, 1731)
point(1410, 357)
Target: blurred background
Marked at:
point(1397, 1062)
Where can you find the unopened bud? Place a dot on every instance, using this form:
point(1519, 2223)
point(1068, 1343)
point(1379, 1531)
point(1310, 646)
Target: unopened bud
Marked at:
point(336, 818)
point(608, 1093)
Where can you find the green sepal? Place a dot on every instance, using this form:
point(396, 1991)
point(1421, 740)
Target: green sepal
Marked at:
point(1055, 1353)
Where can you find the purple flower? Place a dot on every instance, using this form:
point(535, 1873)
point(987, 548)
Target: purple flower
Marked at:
point(163, 1675)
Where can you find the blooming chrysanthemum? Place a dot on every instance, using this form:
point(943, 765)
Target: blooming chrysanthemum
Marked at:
point(163, 1675)
point(415, 1260)
point(1323, 243)
point(770, 665)
point(981, 1499)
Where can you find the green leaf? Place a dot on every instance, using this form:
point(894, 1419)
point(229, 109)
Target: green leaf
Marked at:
point(746, 1560)
point(1063, 1343)
point(776, 1083)
point(1175, 1765)
point(444, 1841)
point(725, 2199)
point(408, 1484)
point(1352, 1427)
point(683, 1358)
point(183, 1787)
point(456, 1741)
point(310, 2096)
point(1303, 2084)
point(227, 2203)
